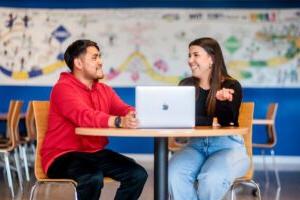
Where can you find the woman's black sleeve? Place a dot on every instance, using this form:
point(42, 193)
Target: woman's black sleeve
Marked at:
point(227, 112)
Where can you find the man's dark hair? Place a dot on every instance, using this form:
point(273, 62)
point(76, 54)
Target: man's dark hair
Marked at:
point(76, 49)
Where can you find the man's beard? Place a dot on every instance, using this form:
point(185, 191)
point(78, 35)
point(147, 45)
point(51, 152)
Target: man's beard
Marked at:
point(99, 78)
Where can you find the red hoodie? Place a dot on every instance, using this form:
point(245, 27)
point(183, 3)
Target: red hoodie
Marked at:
point(72, 104)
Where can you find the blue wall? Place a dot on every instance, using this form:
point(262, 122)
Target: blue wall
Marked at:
point(287, 121)
point(288, 112)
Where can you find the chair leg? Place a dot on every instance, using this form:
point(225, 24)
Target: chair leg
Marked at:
point(75, 191)
point(232, 191)
point(33, 189)
point(18, 166)
point(252, 182)
point(33, 153)
point(265, 168)
point(23, 150)
point(4, 172)
point(276, 174)
point(8, 172)
point(257, 187)
point(36, 186)
point(275, 168)
point(32, 148)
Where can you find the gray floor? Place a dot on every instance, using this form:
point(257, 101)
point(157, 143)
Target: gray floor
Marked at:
point(290, 182)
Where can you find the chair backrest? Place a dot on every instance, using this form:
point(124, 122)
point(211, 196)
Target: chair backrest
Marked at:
point(40, 110)
point(13, 123)
point(9, 118)
point(271, 131)
point(29, 122)
point(272, 110)
point(246, 120)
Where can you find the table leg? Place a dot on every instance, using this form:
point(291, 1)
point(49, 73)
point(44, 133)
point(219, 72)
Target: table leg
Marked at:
point(160, 168)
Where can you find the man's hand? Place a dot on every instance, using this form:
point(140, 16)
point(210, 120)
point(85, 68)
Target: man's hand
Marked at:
point(129, 121)
point(225, 94)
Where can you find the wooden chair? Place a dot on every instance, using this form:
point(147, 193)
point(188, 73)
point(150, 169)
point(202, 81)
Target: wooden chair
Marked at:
point(269, 123)
point(24, 140)
point(28, 139)
point(245, 120)
point(30, 125)
point(7, 117)
point(13, 119)
point(41, 110)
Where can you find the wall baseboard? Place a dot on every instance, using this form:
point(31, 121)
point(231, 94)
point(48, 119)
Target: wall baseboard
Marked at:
point(284, 163)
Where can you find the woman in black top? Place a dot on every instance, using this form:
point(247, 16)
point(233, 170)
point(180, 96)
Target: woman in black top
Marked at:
point(212, 162)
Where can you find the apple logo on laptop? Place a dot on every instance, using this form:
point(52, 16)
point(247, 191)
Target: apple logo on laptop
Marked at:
point(165, 106)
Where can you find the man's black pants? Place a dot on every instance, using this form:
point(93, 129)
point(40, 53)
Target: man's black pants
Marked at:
point(89, 169)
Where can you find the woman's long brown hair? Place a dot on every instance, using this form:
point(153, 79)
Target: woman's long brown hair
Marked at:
point(218, 73)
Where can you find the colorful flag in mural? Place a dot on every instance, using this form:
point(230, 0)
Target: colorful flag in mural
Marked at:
point(149, 46)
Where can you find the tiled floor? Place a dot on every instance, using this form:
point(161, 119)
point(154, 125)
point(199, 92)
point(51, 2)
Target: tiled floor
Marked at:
point(290, 188)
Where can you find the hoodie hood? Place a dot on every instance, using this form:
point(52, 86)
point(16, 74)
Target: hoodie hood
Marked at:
point(68, 77)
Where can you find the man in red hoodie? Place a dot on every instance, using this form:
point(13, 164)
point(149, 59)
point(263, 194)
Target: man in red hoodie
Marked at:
point(79, 100)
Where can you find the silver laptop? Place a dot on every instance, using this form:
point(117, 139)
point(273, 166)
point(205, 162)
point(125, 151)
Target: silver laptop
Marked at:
point(165, 106)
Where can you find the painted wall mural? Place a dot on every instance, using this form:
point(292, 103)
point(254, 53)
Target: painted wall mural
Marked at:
point(149, 46)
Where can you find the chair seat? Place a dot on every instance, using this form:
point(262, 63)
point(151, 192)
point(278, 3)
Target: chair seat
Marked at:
point(4, 140)
point(6, 147)
point(266, 145)
point(106, 180)
point(58, 180)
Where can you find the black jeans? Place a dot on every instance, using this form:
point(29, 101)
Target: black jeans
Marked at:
point(89, 169)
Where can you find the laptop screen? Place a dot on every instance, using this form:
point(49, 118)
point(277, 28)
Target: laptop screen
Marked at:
point(165, 106)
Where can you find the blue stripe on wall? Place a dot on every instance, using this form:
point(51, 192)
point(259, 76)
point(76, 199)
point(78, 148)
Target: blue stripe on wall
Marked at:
point(287, 120)
point(151, 4)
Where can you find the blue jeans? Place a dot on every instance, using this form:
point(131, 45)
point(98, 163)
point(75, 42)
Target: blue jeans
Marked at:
point(206, 168)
